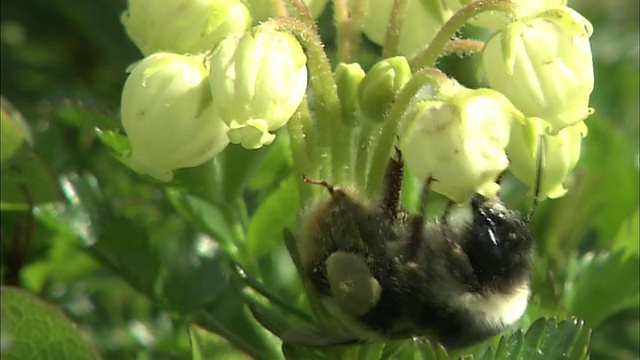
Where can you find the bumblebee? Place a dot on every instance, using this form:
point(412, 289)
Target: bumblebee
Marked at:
point(383, 273)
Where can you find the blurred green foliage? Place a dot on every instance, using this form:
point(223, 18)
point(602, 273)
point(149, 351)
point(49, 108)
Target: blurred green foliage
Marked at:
point(146, 271)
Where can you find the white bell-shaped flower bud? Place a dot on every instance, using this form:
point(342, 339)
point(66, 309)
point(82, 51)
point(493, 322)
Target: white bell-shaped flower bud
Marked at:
point(458, 138)
point(560, 154)
point(168, 115)
point(258, 80)
point(183, 26)
point(543, 65)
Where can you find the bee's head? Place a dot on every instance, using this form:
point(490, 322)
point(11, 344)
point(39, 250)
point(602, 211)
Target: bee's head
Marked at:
point(498, 245)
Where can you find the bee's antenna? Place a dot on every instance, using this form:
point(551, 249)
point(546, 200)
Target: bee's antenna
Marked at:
point(538, 182)
point(322, 183)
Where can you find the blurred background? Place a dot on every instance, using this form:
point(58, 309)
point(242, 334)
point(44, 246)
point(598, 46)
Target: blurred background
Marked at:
point(63, 67)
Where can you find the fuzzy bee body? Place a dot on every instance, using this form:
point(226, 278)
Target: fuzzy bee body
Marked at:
point(387, 274)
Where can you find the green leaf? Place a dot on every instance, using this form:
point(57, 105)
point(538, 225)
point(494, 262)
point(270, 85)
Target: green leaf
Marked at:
point(424, 349)
point(202, 181)
point(33, 329)
point(270, 318)
point(207, 345)
point(611, 178)
point(205, 216)
point(15, 131)
point(601, 285)
point(79, 115)
point(545, 339)
point(228, 318)
point(245, 279)
point(371, 351)
point(115, 240)
point(293, 352)
point(116, 141)
point(154, 261)
point(626, 240)
point(194, 269)
point(276, 165)
point(26, 180)
point(239, 165)
point(275, 213)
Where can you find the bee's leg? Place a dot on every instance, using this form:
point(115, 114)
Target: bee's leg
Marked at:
point(416, 223)
point(322, 183)
point(538, 182)
point(393, 186)
point(447, 210)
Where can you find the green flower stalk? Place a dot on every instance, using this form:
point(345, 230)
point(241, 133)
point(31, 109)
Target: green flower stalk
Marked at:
point(458, 138)
point(262, 10)
point(560, 154)
point(258, 80)
point(421, 21)
point(183, 26)
point(168, 115)
point(379, 87)
point(543, 64)
point(496, 20)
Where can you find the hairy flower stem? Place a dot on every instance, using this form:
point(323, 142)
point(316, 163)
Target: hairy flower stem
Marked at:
point(349, 27)
point(305, 15)
point(334, 145)
point(462, 47)
point(299, 145)
point(303, 144)
point(366, 136)
point(429, 77)
point(428, 57)
point(279, 6)
point(392, 36)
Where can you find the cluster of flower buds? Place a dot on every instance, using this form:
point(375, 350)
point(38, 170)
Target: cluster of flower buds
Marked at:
point(538, 65)
point(208, 79)
point(542, 62)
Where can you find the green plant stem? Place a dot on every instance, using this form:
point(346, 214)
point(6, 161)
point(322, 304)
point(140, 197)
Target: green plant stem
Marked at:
point(349, 27)
point(463, 47)
point(279, 6)
point(239, 236)
point(428, 57)
point(304, 14)
point(302, 145)
point(299, 141)
point(325, 97)
point(418, 81)
point(392, 35)
point(363, 152)
point(341, 21)
point(358, 14)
